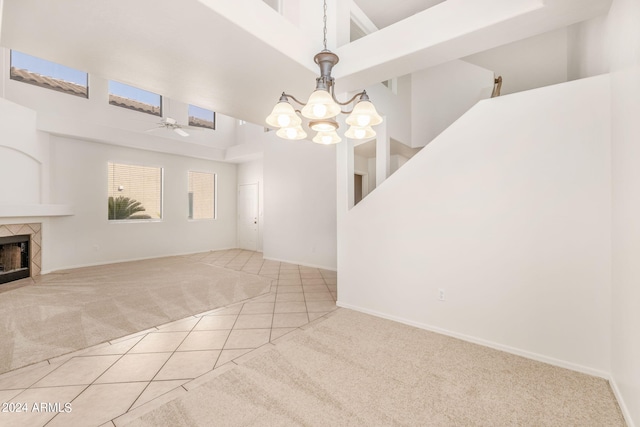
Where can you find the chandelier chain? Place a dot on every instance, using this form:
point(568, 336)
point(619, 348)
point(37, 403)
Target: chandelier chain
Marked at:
point(325, 25)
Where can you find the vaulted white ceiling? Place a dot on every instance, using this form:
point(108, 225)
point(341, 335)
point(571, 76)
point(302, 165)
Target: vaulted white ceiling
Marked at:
point(236, 57)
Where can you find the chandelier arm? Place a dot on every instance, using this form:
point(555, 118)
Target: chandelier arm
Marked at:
point(349, 101)
point(333, 95)
point(294, 98)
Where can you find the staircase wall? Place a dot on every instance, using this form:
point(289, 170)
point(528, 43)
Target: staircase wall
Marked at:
point(508, 212)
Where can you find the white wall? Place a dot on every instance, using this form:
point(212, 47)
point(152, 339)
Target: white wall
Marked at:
point(24, 166)
point(298, 198)
point(527, 64)
point(394, 106)
point(587, 48)
point(508, 211)
point(21, 181)
point(23, 155)
point(441, 94)
point(360, 164)
point(372, 173)
point(79, 178)
point(624, 53)
point(612, 44)
point(300, 202)
point(249, 143)
point(253, 173)
point(397, 161)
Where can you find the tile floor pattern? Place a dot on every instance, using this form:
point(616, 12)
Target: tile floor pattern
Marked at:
point(108, 380)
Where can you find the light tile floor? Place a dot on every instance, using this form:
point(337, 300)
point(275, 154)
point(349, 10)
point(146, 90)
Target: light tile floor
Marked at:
point(104, 382)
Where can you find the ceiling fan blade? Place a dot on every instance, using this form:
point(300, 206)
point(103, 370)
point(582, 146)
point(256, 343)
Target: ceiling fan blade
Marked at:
point(180, 131)
point(155, 128)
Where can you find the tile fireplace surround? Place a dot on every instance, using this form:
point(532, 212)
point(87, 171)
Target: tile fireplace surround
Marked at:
point(35, 231)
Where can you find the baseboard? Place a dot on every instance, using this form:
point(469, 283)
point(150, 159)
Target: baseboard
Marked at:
point(621, 402)
point(302, 264)
point(483, 342)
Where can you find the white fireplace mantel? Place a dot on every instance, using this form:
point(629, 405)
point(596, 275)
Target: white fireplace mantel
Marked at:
point(34, 210)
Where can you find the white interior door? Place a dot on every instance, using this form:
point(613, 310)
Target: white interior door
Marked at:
point(248, 216)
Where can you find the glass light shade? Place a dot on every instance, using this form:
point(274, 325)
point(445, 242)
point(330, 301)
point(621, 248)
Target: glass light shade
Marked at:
point(292, 133)
point(283, 115)
point(326, 138)
point(356, 132)
point(326, 125)
point(320, 106)
point(364, 114)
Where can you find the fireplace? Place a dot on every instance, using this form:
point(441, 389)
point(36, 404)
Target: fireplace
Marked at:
point(20, 251)
point(14, 258)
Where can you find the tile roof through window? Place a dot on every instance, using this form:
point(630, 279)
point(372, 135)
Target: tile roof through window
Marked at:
point(197, 121)
point(59, 85)
point(36, 79)
point(132, 104)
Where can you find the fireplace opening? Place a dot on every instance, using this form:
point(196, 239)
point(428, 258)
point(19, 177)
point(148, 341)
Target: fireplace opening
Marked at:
point(14, 258)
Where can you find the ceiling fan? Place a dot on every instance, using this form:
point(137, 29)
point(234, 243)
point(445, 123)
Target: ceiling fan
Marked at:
point(171, 124)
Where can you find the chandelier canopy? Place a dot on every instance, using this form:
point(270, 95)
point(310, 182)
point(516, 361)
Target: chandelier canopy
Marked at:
point(322, 107)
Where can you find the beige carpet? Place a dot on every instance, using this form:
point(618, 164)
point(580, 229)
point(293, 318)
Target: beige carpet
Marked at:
point(354, 369)
point(70, 310)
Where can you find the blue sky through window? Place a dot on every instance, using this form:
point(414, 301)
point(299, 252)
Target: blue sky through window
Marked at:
point(130, 92)
point(47, 68)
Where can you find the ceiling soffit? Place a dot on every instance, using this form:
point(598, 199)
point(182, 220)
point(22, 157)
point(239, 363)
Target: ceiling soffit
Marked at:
point(449, 30)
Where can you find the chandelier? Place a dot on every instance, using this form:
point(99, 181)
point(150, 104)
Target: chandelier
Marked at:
point(322, 107)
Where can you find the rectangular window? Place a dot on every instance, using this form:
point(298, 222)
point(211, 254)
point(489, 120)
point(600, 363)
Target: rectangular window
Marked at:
point(40, 72)
point(202, 195)
point(202, 117)
point(135, 192)
point(133, 98)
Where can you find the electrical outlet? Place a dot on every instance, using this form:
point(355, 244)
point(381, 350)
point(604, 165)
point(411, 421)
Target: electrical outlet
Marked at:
point(441, 294)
